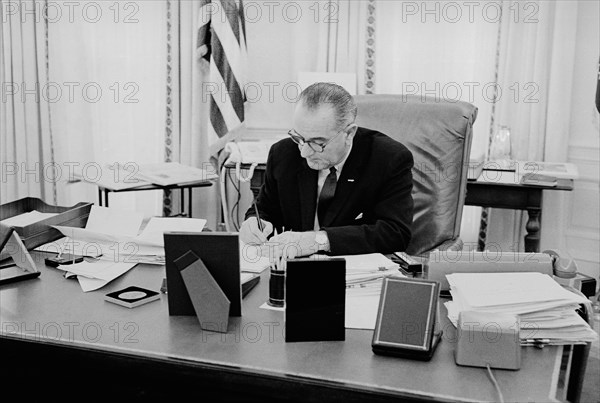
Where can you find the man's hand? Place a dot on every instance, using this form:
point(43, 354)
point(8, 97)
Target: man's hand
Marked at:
point(290, 245)
point(251, 234)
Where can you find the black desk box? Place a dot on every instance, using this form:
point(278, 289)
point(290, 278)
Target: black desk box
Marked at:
point(315, 300)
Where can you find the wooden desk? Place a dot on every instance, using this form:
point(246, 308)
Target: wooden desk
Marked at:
point(487, 194)
point(516, 197)
point(65, 342)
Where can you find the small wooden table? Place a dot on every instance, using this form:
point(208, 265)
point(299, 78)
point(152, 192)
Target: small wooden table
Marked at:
point(181, 187)
point(515, 196)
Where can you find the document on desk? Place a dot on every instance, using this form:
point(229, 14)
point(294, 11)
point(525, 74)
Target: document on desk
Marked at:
point(173, 173)
point(153, 233)
point(115, 248)
point(364, 277)
point(362, 305)
point(113, 176)
point(95, 275)
point(547, 311)
point(253, 259)
point(507, 177)
point(114, 221)
point(500, 289)
point(114, 235)
point(22, 220)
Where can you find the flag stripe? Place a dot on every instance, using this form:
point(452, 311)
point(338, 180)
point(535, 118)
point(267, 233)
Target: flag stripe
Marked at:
point(204, 32)
point(216, 119)
point(231, 85)
point(221, 42)
point(230, 45)
point(232, 16)
point(242, 19)
point(223, 99)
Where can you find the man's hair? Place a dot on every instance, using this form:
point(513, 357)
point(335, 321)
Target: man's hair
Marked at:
point(319, 94)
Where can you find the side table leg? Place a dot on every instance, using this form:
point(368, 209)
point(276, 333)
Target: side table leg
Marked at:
point(182, 201)
point(533, 227)
point(100, 196)
point(482, 236)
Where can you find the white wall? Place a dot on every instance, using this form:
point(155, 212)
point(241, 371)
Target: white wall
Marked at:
point(583, 221)
point(282, 41)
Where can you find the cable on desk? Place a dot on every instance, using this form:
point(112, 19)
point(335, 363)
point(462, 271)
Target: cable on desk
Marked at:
point(500, 396)
point(223, 183)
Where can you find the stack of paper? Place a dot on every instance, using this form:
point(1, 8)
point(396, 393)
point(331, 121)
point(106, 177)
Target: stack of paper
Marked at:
point(546, 309)
point(368, 270)
point(113, 238)
point(364, 276)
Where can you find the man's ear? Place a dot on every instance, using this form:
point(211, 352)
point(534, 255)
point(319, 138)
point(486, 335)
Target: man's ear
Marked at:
point(351, 131)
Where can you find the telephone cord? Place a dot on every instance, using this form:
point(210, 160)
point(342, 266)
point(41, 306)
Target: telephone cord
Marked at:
point(224, 198)
point(241, 177)
point(493, 378)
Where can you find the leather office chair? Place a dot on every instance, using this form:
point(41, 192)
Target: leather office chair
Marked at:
point(438, 133)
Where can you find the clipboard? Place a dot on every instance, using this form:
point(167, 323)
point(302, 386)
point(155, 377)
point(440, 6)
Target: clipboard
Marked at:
point(22, 266)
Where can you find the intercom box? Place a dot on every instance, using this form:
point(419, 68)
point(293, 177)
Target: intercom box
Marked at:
point(488, 339)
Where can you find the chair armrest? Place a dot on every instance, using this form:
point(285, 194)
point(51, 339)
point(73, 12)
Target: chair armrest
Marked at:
point(455, 244)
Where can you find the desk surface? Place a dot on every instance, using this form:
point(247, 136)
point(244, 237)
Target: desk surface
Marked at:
point(54, 311)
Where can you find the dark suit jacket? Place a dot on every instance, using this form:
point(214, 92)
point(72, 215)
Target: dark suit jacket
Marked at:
point(376, 181)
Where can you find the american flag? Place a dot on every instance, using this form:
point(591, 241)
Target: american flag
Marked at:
point(221, 42)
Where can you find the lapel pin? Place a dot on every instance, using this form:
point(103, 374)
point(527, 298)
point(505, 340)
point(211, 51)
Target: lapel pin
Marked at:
point(350, 180)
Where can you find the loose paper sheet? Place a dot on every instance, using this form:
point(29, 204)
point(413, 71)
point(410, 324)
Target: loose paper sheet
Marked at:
point(31, 217)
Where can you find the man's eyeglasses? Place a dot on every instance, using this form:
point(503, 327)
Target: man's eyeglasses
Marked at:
point(314, 145)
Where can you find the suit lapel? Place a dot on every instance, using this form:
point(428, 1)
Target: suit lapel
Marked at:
point(307, 189)
point(349, 179)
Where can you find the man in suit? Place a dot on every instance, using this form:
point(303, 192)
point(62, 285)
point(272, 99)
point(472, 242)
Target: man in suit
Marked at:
point(332, 186)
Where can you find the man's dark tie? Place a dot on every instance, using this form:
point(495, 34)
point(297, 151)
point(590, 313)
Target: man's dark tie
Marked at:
point(326, 194)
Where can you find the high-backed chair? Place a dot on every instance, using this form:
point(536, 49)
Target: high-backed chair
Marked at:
point(438, 133)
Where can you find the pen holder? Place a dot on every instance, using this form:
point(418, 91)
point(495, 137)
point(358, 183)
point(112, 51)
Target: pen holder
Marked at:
point(276, 288)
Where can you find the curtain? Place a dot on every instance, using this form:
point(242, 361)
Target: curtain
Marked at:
point(109, 61)
point(26, 140)
point(343, 35)
point(186, 138)
point(535, 75)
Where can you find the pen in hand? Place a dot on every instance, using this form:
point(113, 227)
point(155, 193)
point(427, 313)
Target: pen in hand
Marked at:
point(260, 225)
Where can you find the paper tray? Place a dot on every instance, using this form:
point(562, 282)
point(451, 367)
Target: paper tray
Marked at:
point(39, 233)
